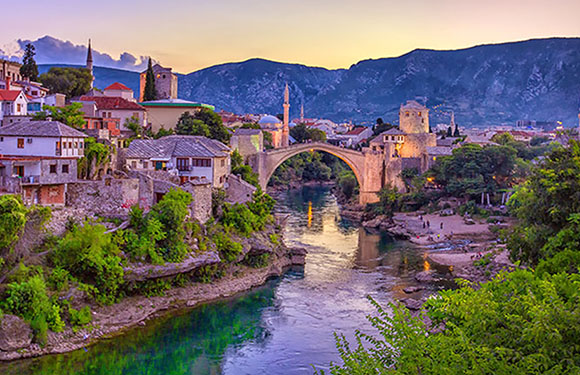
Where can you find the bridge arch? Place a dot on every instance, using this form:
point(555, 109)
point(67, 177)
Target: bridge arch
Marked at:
point(272, 159)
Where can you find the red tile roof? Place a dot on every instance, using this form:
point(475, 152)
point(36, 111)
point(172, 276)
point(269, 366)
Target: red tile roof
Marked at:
point(9, 95)
point(109, 102)
point(118, 86)
point(356, 131)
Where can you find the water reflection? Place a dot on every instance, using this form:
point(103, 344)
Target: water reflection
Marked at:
point(280, 328)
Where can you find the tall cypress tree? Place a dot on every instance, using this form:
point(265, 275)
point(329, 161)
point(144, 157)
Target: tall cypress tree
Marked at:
point(150, 92)
point(456, 132)
point(29, 69)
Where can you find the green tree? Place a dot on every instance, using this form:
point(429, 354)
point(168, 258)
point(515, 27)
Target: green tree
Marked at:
point(449, 132)
point(546, 204)
point(243, 170)
point(96, 156)
point(516, 324)
point(347, 183)
point(189, 125)
point(456, 132)
point(12, 220)
point(135, 126)
point(171, 212)
point(150, 92)
point(217, 129)
point(70, 115)
point(71, 82)
point(29, 69)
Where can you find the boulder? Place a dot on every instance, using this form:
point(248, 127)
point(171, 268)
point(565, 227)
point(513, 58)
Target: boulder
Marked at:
point(15, 333)
point(425, 276)
point(298, 256)
point(412, 289)
point(412, 304)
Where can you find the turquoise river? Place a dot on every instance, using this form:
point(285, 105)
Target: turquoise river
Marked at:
point(283, 327)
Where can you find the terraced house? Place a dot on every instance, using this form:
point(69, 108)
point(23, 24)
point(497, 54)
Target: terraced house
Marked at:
point(192, 158)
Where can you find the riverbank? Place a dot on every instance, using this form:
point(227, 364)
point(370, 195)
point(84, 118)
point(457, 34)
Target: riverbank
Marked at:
point(113, 320)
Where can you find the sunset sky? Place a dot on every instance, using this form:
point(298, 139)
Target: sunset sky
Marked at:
point(189, 35)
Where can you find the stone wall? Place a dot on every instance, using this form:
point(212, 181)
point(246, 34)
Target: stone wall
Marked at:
point(202, 200)
point(110, 197)
point(416, 144)
point(238, 190)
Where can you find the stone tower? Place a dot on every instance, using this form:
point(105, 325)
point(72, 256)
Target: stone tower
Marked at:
point(302, 113)
point(90, 63)
point(413, 118)
point(286, 130)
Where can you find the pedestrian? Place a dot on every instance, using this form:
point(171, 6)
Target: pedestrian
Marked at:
point(441, 225)
point(428, 224)
point(423, 225)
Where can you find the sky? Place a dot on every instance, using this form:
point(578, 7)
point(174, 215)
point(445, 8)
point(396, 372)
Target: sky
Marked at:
point(190, 35)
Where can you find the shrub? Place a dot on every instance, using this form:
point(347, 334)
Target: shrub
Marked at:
point(229, 250)
point(80, 318)
point(58, 279)
point(12, 219)
point(91, 256)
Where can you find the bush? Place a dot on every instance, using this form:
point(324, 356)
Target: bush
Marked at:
point(58, 279)
point(91, 256)
point(12, 219)
point(80, 318)
point(517, 323)
point(229, 250)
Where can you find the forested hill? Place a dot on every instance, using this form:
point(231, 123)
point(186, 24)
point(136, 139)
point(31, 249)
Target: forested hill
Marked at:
point(536, 79)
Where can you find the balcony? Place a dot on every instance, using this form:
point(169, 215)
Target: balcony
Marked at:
point(184, 168)
point(30, 180)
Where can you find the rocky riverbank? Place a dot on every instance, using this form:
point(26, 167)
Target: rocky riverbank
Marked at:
point(16, 335)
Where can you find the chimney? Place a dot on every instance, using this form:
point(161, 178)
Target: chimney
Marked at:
point(7, 82)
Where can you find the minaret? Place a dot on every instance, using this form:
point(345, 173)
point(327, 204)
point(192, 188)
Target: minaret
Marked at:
point(302, 113)
point(452, 123)
point(285, 129)
point(90, 63)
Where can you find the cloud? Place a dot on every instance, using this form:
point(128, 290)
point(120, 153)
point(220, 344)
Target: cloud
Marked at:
point(51, 50)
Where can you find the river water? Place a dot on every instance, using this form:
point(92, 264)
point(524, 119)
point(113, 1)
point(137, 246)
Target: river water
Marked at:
point(283, 327)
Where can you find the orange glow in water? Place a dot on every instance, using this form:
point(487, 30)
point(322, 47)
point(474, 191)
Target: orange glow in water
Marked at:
point(426, 266)
point(309, 214)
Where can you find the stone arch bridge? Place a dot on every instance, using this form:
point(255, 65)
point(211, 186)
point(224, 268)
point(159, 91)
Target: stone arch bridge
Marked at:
point(368, 166)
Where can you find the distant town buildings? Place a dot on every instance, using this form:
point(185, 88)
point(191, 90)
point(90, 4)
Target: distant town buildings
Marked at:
point(165, 83)
point(165, 113)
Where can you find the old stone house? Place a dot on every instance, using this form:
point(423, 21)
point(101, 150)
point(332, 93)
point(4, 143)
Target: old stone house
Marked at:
point(189, 157)
point(39, 159)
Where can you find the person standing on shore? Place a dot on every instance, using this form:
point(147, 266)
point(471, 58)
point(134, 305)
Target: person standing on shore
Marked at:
point(441, 225)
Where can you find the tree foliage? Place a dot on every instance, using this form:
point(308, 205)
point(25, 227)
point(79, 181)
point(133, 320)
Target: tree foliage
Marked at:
point(189, 125)
point(516, 324)
point(96, 156)
point(239, 168)
point(150, 92)
point(92, 257)
point(547, 206)
point(206, 123)
point(71, 82)
point(302, 133)
point(12, 220)
point(70, 115)
point(29, 69)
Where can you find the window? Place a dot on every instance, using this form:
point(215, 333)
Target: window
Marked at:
point(20, 142)
point(1, 139)
point(81, 145)
point(407, 114)
point(29, 140)
point(182, 164)
point(419, 114)
point(145, 165)
point(201, 162)
point(53, 168)
point(65, 168)
point(76, 145)
point(18, 107)
point(134, 164)
point(70, 145)
point(223, 162)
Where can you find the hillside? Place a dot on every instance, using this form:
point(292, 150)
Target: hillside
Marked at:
point(489, 84)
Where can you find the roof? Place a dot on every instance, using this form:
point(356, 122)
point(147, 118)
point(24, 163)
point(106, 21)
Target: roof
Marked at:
point(446, 141)
point(439, 150)
point(269, 119)
point(393, 131)
point(40, 129)
point(356, 131)
point(412, 104)
point(176, 146)
point(9, 95)
point(247, 131)
point(175, 103)
point(112, 102)
point(118, 86)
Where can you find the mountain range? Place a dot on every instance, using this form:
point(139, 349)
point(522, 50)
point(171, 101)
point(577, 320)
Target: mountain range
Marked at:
point(489, 84)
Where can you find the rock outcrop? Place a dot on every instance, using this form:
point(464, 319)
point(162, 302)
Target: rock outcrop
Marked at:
point(15, 333)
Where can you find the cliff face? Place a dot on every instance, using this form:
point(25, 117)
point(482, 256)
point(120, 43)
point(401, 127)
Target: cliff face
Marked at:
point(536, 79)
